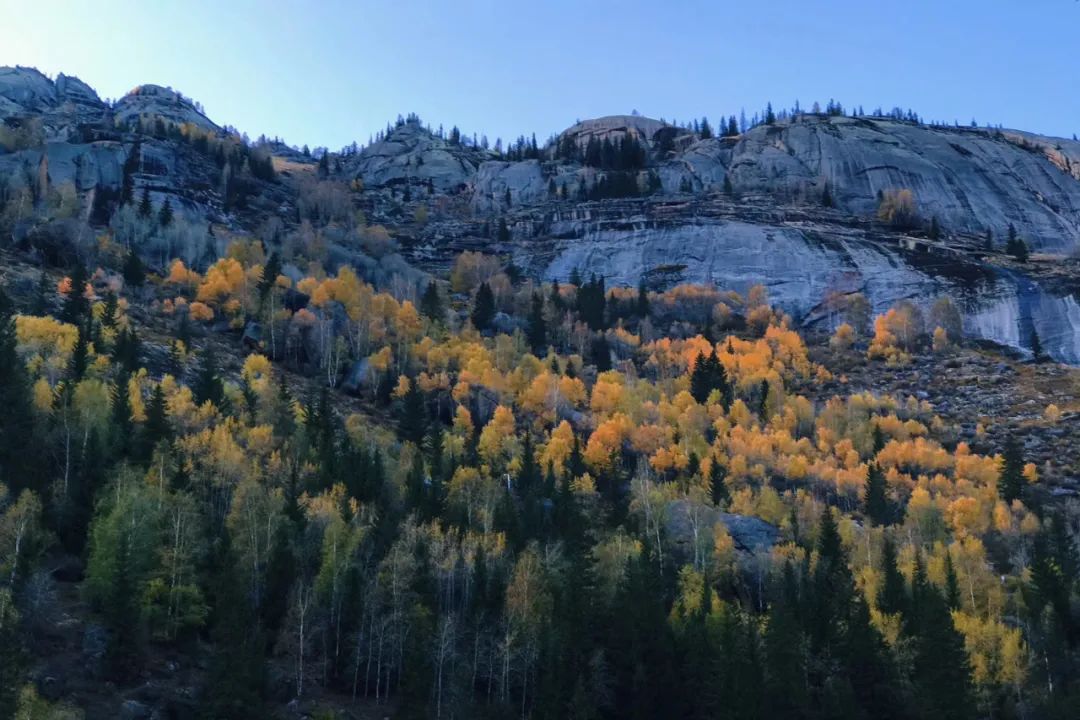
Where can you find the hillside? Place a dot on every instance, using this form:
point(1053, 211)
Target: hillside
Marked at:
point(640, 422)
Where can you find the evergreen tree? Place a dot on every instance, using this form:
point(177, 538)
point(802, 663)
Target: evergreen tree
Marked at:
point(952, 583)
point(641, 308)
point(600, 352)
point(826, 196)
point(875, 500)
point(121, 424)
point(706, 129)
point(208, 386)
point(145, 207)
point(941, 670)
point(430, 303)
point(134, 271)
point(503, 233)
point(483, 311)
point(536, 332)
point(42, 304)
point(80, 355)
point(268, 278)
point(1011, 480)
point(76, 309)
point(1036, 346)
point(165, 215)
point(412, 422)
point(16, 419)
point(717, 486)
point(892, 597)
point(156, 428)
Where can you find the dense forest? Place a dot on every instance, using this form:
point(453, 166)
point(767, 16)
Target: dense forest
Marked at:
point(511, 521)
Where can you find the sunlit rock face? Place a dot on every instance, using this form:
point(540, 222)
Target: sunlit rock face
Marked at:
point(970, 179)
point(801, 267)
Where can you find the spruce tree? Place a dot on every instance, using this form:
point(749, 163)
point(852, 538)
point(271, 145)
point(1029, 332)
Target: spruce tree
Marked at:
point(536, 332)
point(121, 424)
point(1036, 346)
point(412, 422)
point(165, 215)
point(717, 486)
point(156, 428)
point(1011, 480)
point(483, 311)
point(145, 207)
point(42, 304)
point(16, 420)
point(208, 386)
point(892, 597)
point(76, 309)
point(875, 500)
point(430, 303)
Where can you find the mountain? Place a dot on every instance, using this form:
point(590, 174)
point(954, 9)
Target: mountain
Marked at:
point(624, 196)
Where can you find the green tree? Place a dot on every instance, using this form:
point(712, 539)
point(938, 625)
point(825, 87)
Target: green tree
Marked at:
point(165, 215)
point(875, 500)
point(431, 304)
point(412, 421)
point(208, 386)
point(1011, 480)
point(536, 332)
point(483, 311)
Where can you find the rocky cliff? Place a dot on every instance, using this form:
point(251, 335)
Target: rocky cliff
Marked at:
point(734, 211)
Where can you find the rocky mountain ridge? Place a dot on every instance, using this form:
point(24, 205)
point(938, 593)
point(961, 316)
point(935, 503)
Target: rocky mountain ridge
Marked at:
point(791, 204)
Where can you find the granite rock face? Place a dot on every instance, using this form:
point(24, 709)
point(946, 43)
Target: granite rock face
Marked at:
point(166, 103)
point(971, 179)
point(412, 154)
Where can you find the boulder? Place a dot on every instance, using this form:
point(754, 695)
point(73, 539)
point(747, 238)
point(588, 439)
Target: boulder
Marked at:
point(751, 535)
point(412, 154)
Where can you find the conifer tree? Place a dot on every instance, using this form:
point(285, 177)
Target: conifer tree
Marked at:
point(16, 418)
point(156, 428)
point(717, 485)
point(483, 311)
point(536, 332)
point(165, 215)
point(430, 303)
point(1011, 480)
point(875, 500)
point(208, 386)
point(121, 424)
point(892, 597)
point(412, 423)
point(76, 309)
point(145, 207)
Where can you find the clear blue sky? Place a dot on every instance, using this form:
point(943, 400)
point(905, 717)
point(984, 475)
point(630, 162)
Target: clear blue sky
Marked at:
point(328, 73)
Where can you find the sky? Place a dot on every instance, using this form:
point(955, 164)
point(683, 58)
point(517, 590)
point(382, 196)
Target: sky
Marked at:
point(330, 73)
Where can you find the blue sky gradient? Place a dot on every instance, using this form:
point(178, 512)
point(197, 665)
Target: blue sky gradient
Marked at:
point(329, 73)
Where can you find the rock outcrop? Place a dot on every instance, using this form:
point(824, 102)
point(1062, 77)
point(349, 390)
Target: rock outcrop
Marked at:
point(166, 103)
point(412, 154)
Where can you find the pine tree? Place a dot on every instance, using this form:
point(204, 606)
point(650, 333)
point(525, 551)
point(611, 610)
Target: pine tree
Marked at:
point(208, 386)
point(706, 129)
point(952, 583)
point(892, 597)
point(412, 422)
point(80, 355)
point(826, 196)
point(16, 420)
point(875, 500)
point(134, 271)
point(430, 303)
point(76, 309)
point(1011, 480)
point(717, 486)
point(483, 311)
point(536, 332)
point(165, 215)
point(156, 428)
point(942, 673)
point(1036, 346)
point(121, 424)
point(268, 278)
point(145, 207)
point(503, 233)
point(42, 304)
point(641, 307)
